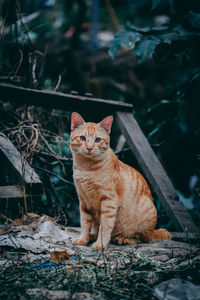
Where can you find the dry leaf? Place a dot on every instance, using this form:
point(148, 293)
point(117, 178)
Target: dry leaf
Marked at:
point(59, 256)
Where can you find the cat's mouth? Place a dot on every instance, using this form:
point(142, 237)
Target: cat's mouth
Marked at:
point(89, 153)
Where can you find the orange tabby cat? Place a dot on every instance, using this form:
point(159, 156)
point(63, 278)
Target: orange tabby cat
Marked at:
point(115, 199)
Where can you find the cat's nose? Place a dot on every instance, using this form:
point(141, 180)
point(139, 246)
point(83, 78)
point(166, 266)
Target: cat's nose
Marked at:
point(89, 149)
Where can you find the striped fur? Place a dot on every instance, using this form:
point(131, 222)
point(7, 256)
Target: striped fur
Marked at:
point(115, 200)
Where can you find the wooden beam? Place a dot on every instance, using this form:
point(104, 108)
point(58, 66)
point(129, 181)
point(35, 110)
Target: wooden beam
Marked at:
point(12, 93)
point(186, 236)
point(14, 159)
point(154, 172)
point(10, 191)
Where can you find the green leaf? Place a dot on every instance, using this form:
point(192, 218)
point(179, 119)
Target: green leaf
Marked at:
point(138, 29)
point(123, 38)
point(156, 130)
point(194, 19)
point(145, 48)
point(144, 30)
point(157, 105)
point(155, 3)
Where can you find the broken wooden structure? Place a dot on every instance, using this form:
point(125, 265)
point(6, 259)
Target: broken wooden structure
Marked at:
point(129, 127)
point(26, 181)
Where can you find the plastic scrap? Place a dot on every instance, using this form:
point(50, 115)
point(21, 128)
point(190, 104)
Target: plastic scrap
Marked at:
point(39, 265)
point(37, 234)
point(177, 289)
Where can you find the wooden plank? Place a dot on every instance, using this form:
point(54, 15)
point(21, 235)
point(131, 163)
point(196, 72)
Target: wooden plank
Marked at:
point(10, 191)
point(13, 158)
point(154, 172)
point(178, 236)
point(9, 92)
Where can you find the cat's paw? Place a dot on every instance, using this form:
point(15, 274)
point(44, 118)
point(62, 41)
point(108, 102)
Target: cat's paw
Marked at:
point(99, 246)
point(79, 241)
point(120, 240)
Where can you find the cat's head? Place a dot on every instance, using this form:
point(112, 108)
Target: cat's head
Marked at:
point(90, 139)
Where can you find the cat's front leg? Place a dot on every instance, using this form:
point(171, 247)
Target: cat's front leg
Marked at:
point(86, 224)
point(107, 220)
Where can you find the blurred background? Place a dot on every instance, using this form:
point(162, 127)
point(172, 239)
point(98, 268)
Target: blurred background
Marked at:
point(144, 52)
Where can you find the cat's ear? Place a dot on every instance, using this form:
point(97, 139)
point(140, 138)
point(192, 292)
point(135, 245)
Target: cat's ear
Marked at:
point(106, 124)
point(76, 121)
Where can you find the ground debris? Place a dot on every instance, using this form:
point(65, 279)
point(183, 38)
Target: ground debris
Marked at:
point(37, 256)
point(60, 295)
point(59, 256)
point(176, 289)
point(48, 294)
point(36, 234)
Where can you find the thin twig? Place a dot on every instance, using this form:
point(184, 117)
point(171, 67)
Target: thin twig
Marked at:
point(58, 83)
point(52, 173)
point(20, 63)
point(50, 156)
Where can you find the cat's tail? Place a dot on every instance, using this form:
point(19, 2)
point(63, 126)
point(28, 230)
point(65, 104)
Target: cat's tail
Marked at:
point(161, 234)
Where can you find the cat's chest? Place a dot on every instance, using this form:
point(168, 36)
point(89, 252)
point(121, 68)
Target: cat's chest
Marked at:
point(88, 184)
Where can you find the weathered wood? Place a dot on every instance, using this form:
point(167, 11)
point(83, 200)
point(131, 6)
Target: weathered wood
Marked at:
point(14, 159)
point(58, 100)
point(155, 173)
point(186, 236)
point(10, 191)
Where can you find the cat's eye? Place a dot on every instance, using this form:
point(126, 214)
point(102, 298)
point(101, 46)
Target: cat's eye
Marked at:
point(83, 138)
point(97, 140)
